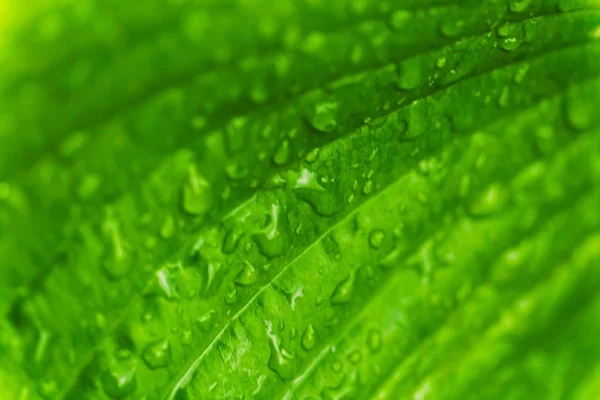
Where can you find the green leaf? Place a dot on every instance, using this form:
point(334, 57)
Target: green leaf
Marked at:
point(300, 199)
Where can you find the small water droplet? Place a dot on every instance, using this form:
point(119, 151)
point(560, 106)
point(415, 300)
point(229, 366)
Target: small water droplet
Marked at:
point(519, 5)
point(157, 355)
point(354, 357)
point(119, 379)
point(376, 238)
point(410, 74)
point(374, 340)
point(309, 338)
point(399, 19)
point(205, 321)
point(197, 196)
point(282, 154)
point(511, 36)
point(247, 276)
point(342, 293)
point(336, 366)
point(168, 228)
point(490, 201)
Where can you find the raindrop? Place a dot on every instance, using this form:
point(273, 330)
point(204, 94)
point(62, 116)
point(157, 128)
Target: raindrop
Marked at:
point(374, 340)
point(282, 154)
point(324, 116)
point(247, 275)
point(342, 293)
point(197, 196)
point(309, 338)
point(376, 238)
point(157, 355)
point(119, 379)
point(282, 362)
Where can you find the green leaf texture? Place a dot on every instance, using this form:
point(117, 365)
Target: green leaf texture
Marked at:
point(300, 199)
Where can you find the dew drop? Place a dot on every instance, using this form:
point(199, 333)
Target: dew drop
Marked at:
point(282, 362)
point(197, 196)
point(206, 320)
point(309, 338)
point(519, 5)
point(282, 154)
point(157, 355)
point(168, 228)
point(376, 238)
point(232, 240)
point(399, 19)
point(490, 201)
point(354, 357)
point(410, 74)
point(342, 293)
point(374, 340)
point(119, 379)
point(324, 116)
point(247, 276)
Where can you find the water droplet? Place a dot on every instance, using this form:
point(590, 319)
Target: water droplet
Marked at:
point(410, 74)
point(519, 5)
point(168, 228)
point(119, 379)
point(186, 337)
point(336, 366)
point(247, 275)
point(176, 281)
point(368, 187)
point(205, 321)
point(197, 196)
point(490, 201)
point(232, 240)
point(235, 171)
point(231, 297)
point(452, 27)
point(400, 18)
point(157, 355)
point(376, 238)
point(312, 156)
point(342, 293)
point(503, 99)
point(117, 261)
point(354, 357)
point(282, 154)
point(271, 240)
point(324, 117)
point(521, 72)
point(309, 338)
point(511, 36)
point(374, 340)
point(282, 362)
point(580, 112)
point(323, 202)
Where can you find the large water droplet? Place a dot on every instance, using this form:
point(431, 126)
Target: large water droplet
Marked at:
point(119, 379)
point(247, 276)
point(324, 116)
point(271, 240)
point(323, 202)
point(282, 154)
point(197, 196)
point(157, 355)
point(282, 362)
